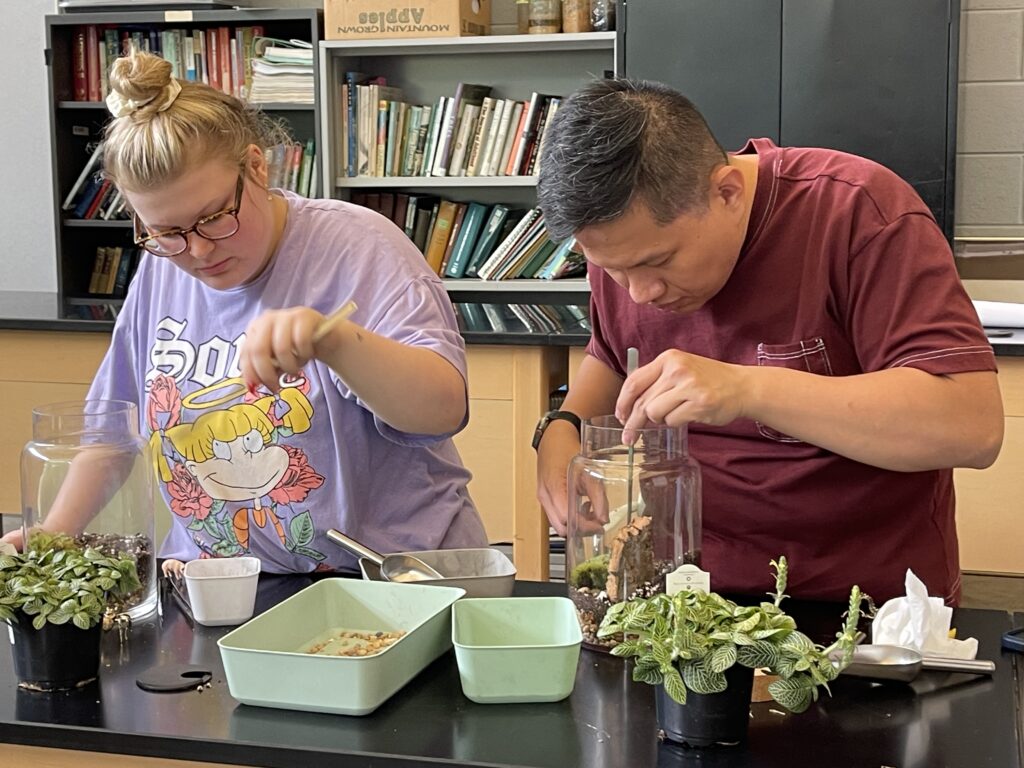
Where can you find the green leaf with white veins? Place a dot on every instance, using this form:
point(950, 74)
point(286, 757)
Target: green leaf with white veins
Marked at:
point(760, 654)
point(723, 657)
point(700, 679)
point(795, 695)
point(674, 687)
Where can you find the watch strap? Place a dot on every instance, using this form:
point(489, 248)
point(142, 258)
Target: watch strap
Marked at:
point(551, 416)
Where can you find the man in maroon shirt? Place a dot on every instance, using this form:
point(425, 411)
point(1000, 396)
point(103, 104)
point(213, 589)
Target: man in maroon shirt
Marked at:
point(800, 310)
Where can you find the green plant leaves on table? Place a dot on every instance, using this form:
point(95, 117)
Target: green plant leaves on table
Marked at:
point(688, 641)
point(57, 580)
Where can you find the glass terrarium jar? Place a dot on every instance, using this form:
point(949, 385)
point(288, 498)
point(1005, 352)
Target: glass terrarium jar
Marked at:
point(634, 517)
point(87, 472)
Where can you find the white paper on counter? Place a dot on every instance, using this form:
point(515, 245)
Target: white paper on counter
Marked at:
point(920, 622)
point(1000, 314)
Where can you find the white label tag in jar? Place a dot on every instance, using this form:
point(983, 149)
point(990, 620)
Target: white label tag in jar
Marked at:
point(687, 577)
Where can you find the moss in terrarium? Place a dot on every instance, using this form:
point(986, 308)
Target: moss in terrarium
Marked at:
point(591, 573)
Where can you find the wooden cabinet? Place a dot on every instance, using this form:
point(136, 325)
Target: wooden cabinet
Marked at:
point(989, 500)
point(40, 367)
point(509, 389)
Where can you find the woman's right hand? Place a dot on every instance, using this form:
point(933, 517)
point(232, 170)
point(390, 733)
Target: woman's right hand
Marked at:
point(557, 448)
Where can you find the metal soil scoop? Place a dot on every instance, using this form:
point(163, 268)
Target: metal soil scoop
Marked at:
point(392, 567)
point(893, 662)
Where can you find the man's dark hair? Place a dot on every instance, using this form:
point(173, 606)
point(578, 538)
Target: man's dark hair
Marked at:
point(614, 142)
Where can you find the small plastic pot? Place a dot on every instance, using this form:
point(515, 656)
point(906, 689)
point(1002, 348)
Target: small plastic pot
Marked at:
point(58, 657)
point(713, 718)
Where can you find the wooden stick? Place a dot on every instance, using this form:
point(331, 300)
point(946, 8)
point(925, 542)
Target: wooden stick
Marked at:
point(341, 313)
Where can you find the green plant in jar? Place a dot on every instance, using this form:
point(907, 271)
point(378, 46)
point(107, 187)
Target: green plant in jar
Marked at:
point(687, 641)
point(58, 580)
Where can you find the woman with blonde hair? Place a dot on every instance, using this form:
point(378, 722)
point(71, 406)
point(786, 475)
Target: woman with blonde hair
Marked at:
point(222, 313)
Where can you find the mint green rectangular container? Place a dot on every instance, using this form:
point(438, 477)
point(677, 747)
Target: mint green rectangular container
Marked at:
point(516, 649)
point(265, 665)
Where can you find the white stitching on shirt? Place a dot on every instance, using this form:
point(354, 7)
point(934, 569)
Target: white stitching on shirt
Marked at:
point(940, 353)
point(804, 351)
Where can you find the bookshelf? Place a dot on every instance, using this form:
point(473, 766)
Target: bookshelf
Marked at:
point(76, 126)
point(428, 68)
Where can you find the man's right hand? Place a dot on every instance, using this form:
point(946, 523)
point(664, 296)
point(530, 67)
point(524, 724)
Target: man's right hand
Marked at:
point(557, 448)
point(14, 538)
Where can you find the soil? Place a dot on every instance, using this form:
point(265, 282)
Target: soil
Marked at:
point(137, 547)
point(592, 605)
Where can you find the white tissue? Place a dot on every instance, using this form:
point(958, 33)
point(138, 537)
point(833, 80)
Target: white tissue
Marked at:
point(1000, 314)
point(920, 622)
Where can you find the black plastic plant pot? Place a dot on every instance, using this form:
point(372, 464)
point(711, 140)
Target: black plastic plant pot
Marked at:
point(57, 657)
point(707, 719)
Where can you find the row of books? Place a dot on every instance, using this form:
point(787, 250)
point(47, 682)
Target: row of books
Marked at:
point(94, 197)
point(289, 166)
point(532, 318)
point(491, 242)
point(112, 270)
point(471, 133)
point(293, 167)
point(219, 56)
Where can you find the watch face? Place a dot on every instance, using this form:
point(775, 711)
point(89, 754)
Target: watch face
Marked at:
point(538, 433)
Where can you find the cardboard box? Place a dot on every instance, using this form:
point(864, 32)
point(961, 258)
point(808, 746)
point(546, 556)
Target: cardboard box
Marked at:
point(369, 19)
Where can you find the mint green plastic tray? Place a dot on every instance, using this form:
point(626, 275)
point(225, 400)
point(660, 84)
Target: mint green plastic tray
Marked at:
point(516, 649)
point(265, 664)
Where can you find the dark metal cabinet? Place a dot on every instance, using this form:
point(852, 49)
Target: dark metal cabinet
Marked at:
point(878, 79)
point(723, 55)
point(873, 77)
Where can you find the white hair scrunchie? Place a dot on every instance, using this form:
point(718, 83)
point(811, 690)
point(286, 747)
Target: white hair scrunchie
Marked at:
point(120, 107)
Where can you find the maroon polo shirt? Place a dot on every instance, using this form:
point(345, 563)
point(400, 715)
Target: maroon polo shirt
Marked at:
point(843, 271)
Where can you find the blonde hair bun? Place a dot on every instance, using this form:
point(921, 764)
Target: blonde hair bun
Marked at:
point(140, 76)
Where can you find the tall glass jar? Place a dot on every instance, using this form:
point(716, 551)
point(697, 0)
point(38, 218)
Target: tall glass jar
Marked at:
point(634, 517)
point(87, 472)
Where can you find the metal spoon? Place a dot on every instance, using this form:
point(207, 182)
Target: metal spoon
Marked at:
point(893, 662)
point(403, 568)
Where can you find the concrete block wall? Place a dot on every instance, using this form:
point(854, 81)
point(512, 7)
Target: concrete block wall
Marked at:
point(990, 141)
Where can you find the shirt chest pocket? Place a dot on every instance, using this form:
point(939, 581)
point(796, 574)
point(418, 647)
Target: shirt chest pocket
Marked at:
point(808, 355)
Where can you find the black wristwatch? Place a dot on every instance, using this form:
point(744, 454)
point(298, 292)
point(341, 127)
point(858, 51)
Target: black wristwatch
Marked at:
point(550, 416)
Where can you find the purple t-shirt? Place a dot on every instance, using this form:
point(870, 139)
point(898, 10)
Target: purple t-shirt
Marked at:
point(266, 474)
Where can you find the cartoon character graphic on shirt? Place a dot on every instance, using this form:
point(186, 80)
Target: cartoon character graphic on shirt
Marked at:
point(231, 468)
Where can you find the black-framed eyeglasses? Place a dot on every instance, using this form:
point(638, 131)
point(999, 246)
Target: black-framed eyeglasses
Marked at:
point(217, 226)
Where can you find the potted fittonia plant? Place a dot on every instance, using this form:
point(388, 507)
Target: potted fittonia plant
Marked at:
point(54, 596)
point(702, 649)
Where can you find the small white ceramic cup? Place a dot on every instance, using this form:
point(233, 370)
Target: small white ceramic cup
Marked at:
point(222, 591)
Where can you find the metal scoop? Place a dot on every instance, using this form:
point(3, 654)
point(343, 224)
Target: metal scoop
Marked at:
point(404, 568)
point(893, 662)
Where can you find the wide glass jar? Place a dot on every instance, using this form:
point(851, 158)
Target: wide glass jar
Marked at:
point(634, 517)
point(87, 472)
